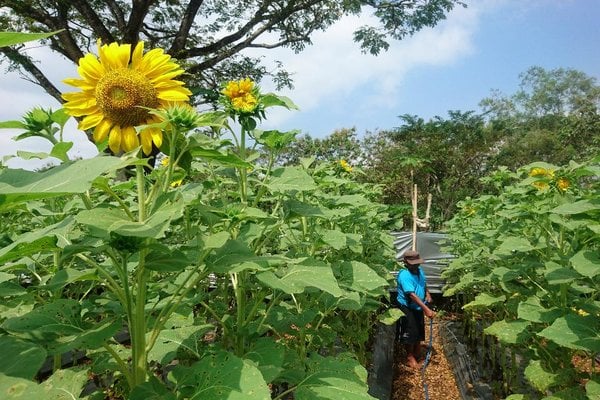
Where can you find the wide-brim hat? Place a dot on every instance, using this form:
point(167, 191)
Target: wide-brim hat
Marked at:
point(412, 257)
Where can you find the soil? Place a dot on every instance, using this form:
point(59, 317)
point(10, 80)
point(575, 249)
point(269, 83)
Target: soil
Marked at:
point(408, 382)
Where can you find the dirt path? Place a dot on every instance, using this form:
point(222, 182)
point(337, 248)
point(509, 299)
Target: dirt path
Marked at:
point(408, 384)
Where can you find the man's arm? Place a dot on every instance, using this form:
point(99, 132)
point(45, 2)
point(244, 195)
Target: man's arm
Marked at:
point(426, 310)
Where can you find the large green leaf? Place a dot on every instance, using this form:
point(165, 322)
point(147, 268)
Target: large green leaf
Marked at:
point(162, 258)
point(484, 300)
point(294, 209)
point(359, 276)
point(272, 99)
point(512, 332)
point(579, 207)
point(152, 390)
point(513, 244)
point(287, 179)
point(12, 38)
point(20, 358)
point(220, 158)
point(221, 376)
point(592, 388)
point(170, 341)
point(532, 310)
point(269, 357)
point(297, 277)
point(235, 256)
point(333, 378)
point(575, 332)
point(58, 327)
point(334, 238)
point(44, 239)
point(64, 384)
point(17, 185)
point(69, 275)
point(103, 221)
point(587, 263)
point(541, 379)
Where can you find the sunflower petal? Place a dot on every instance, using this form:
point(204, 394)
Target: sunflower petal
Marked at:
point(90, 68)
point(129, 139)
point(101, 131)
point(114, 139)
point(146, 139)
point(157, 137)
point(90, 121)
point(136, 56)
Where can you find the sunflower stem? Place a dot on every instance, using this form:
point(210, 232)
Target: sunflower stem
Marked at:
point(138, 317)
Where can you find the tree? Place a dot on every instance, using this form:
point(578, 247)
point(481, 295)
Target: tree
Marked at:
point(342, 144)
point(209, 35)
point(553, 117)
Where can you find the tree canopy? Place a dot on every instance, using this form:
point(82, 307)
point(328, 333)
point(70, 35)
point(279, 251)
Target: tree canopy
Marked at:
point(210, 35)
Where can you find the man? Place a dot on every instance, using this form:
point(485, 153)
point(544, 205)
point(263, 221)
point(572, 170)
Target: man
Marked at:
point(414, 298)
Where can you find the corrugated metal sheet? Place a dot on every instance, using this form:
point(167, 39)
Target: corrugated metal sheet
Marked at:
point(428, 246)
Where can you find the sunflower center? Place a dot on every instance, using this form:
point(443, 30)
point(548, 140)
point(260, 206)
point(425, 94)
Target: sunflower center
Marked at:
point(122, 93)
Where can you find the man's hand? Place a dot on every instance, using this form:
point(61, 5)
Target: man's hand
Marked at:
point(429, 313)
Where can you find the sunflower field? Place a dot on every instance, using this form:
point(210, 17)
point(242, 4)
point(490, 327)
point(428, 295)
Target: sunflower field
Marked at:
point(528, 275)
point(211, 274)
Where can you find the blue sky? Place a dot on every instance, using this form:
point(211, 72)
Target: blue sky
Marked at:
point(450, 67)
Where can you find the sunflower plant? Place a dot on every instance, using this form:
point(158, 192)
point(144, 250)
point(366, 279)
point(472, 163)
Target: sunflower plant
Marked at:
point(528, 271)
point(213, 274)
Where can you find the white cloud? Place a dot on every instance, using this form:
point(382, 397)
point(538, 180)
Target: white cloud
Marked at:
point(334, 70)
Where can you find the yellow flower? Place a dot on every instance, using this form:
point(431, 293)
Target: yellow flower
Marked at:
point(540, 185)
point(539, 171)
point(176, 183)
point(344, 164)
point(118, 87)
point(242, 94)
point(563, 184)
point(165, 161)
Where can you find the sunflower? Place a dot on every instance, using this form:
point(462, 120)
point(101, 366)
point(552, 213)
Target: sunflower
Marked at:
point(118, 88)
point(242, 95)
point(345, 166)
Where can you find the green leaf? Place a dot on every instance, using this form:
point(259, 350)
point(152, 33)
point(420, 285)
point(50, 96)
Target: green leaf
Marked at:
point(271, 99)
point(12, 124)
point(575, 332)
point(103, 221)
point(44, 239)
point(512, 332)
point(333, 378)
point(12, 38)
point(64, 384)
point(221, 376)
point(275, 140)
point(297, 277)
point(58, 327)
point(295, 209)
point(484, 300)
point(20, 358)
point(587, 263)
point(541, 379)
point(532, 310)
point(513, 244)
point(59, 150)
point(152, 390)
point(579, 207)
point(390, 316)
point(334, 238)
point(235, 256)
point(359, 276)
point(231, 160)
point(287, 179)
point(170, 341)
point(17, 185)
point(592, 388)
point(269, 357)
point(69, 275)
point(162, 258)
point(556, 274)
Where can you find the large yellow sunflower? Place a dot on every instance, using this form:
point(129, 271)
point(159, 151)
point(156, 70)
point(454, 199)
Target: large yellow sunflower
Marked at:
point(118, 88)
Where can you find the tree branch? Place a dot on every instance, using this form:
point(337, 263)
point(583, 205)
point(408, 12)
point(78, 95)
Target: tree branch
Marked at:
point(27, 64)
point(139, 10)
point(185, 26)
point(93, 20)
point(117, 14)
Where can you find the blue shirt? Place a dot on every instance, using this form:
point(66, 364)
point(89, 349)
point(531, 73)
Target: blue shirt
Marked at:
point(411, 283)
